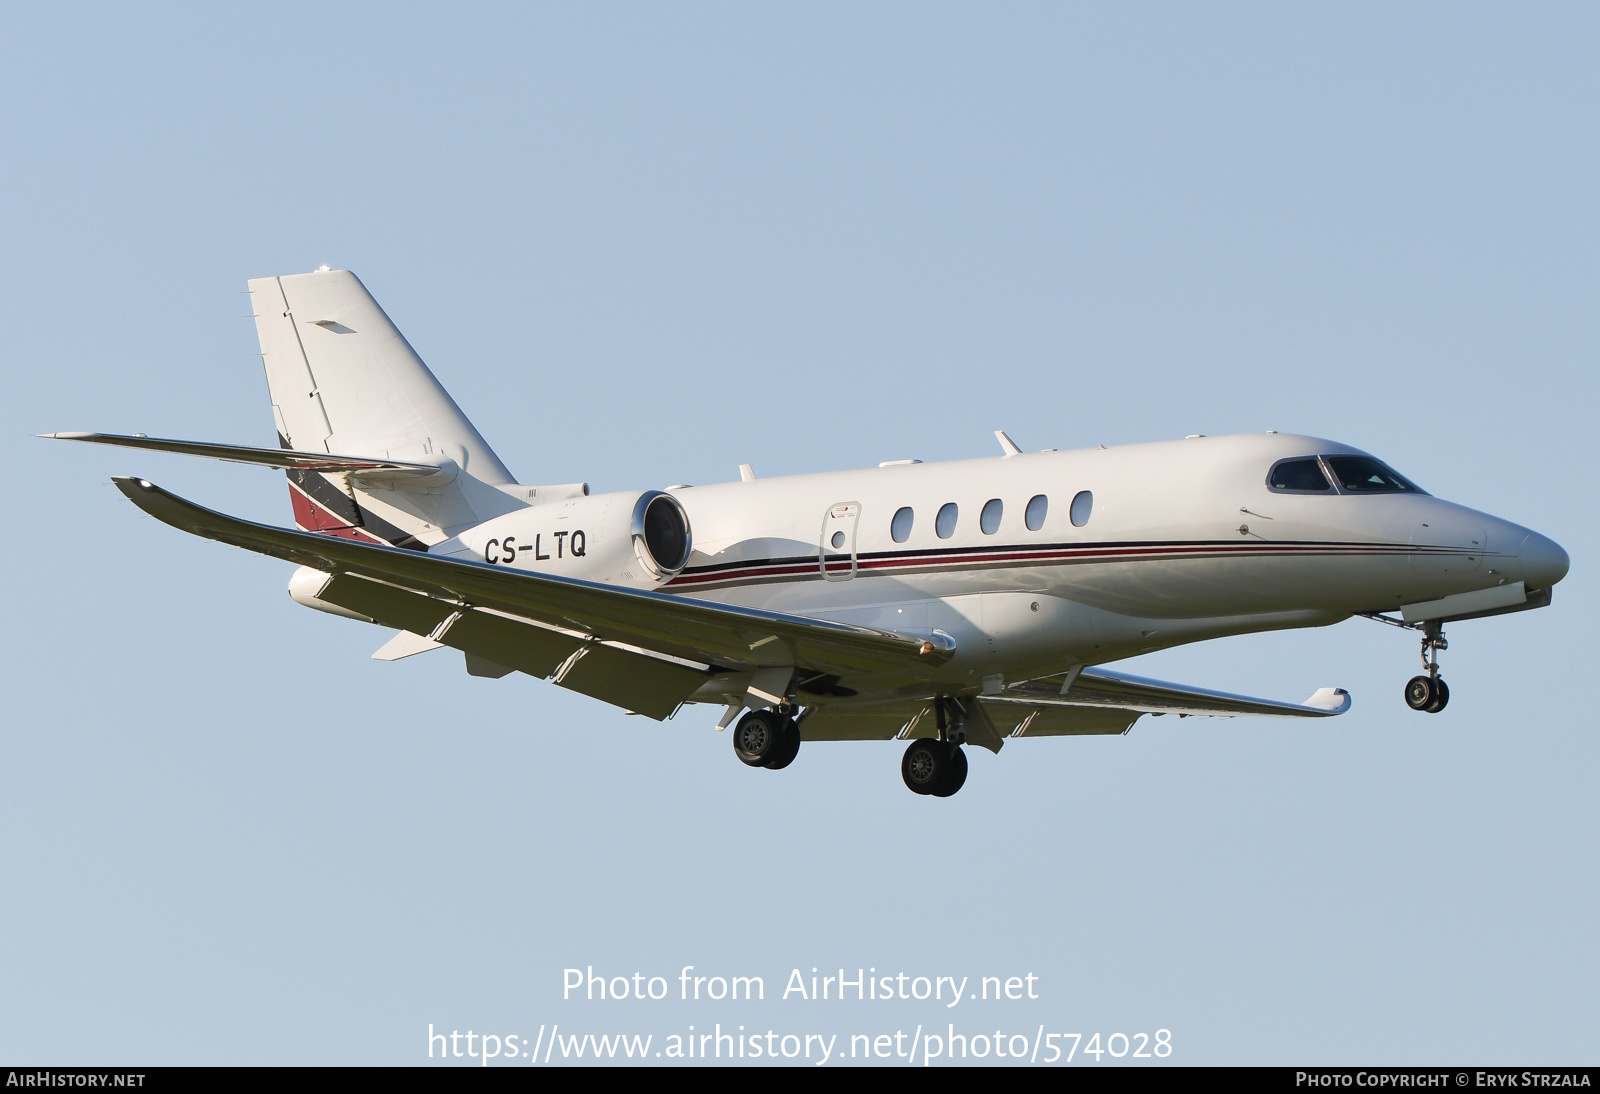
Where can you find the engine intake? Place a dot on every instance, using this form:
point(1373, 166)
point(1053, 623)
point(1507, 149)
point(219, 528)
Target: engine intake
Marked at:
point(660, 533)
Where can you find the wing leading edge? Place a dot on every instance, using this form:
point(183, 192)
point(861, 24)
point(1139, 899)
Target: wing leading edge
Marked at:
point(1099, 701)
point(1095, 702)
point(1105, 689)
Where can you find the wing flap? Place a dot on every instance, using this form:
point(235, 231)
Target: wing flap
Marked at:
point(385, 604)
point(902, 719)
point(633, 681)
point(496, 645)
point(515, 645)
point(1015, 720)
point(863, 721)
point(522, 646)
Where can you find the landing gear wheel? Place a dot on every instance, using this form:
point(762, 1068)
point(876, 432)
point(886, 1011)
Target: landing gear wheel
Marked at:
point(759, 737)
point(788, 747)
point(1420, 692)
point(933, 767)
point(923, 765)
point(957, 776)
point(1441, 696)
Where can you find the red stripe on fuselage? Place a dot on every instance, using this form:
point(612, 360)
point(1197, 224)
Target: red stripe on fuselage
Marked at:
point(762, 572)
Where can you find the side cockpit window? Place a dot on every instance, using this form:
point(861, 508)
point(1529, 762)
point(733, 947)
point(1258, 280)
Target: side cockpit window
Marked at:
point(1365, 475)
point(1302, 475)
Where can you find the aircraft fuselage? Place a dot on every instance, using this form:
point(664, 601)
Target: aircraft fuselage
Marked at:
point(1168, 543)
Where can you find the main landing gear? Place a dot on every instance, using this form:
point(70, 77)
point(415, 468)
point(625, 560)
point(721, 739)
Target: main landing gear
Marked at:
point(934, 767)
point(767, 738)
point(1429, 693)
point(938, 767)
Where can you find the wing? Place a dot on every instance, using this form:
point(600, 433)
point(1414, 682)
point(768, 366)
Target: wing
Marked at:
point(282, 458)
point(618, 644)
point(1097, 701)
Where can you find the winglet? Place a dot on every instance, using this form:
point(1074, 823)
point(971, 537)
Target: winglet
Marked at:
point(1332, 700)
point(1007, 443)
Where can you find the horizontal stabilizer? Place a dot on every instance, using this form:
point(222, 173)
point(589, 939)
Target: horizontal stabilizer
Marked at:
point(284, 459)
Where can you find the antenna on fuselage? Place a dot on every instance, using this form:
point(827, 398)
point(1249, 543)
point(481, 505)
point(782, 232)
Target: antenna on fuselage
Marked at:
point(1007, 444)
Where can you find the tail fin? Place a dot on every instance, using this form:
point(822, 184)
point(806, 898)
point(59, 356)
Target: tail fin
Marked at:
point(344, 379)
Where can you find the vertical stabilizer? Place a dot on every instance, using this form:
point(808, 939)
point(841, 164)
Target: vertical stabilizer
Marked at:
point(344, 380)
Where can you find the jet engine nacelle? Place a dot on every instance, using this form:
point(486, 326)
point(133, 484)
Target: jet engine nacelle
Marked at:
point(639, 539)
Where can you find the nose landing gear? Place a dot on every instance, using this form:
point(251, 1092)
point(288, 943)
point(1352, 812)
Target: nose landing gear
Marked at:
point(1429, 693)
point(1425, 693)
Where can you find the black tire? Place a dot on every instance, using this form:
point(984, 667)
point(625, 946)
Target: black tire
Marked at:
point(788, 749)
point(925, 766)
point(1441, 696)
point(1420, 692)
point(957, 775)
point(757, 737)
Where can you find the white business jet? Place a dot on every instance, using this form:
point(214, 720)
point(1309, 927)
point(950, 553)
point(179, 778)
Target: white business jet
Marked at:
point(941, 604)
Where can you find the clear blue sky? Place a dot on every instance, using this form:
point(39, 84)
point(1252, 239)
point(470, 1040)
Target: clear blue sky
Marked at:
point(643, 244)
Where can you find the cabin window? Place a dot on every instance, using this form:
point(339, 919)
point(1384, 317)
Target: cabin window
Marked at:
point(837, 541)
point(989, 519)
point(1299, 476)
point(1038, 506)
point(1365, 475)
point(945, 523)
point(900, 526)
point(1081, 507)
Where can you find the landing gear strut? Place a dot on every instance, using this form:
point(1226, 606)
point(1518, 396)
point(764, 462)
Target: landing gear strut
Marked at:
point(767, 738)
point(1429, 693)
point(1425, 693)
point(938, 767)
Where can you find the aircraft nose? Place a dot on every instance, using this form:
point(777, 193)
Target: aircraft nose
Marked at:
point(1543, 561)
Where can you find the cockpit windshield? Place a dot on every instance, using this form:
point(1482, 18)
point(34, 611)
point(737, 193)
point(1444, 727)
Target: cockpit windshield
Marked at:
point(1352, 474)
point(1365, 475)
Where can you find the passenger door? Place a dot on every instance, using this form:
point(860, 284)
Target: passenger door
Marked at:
point(836, 549)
